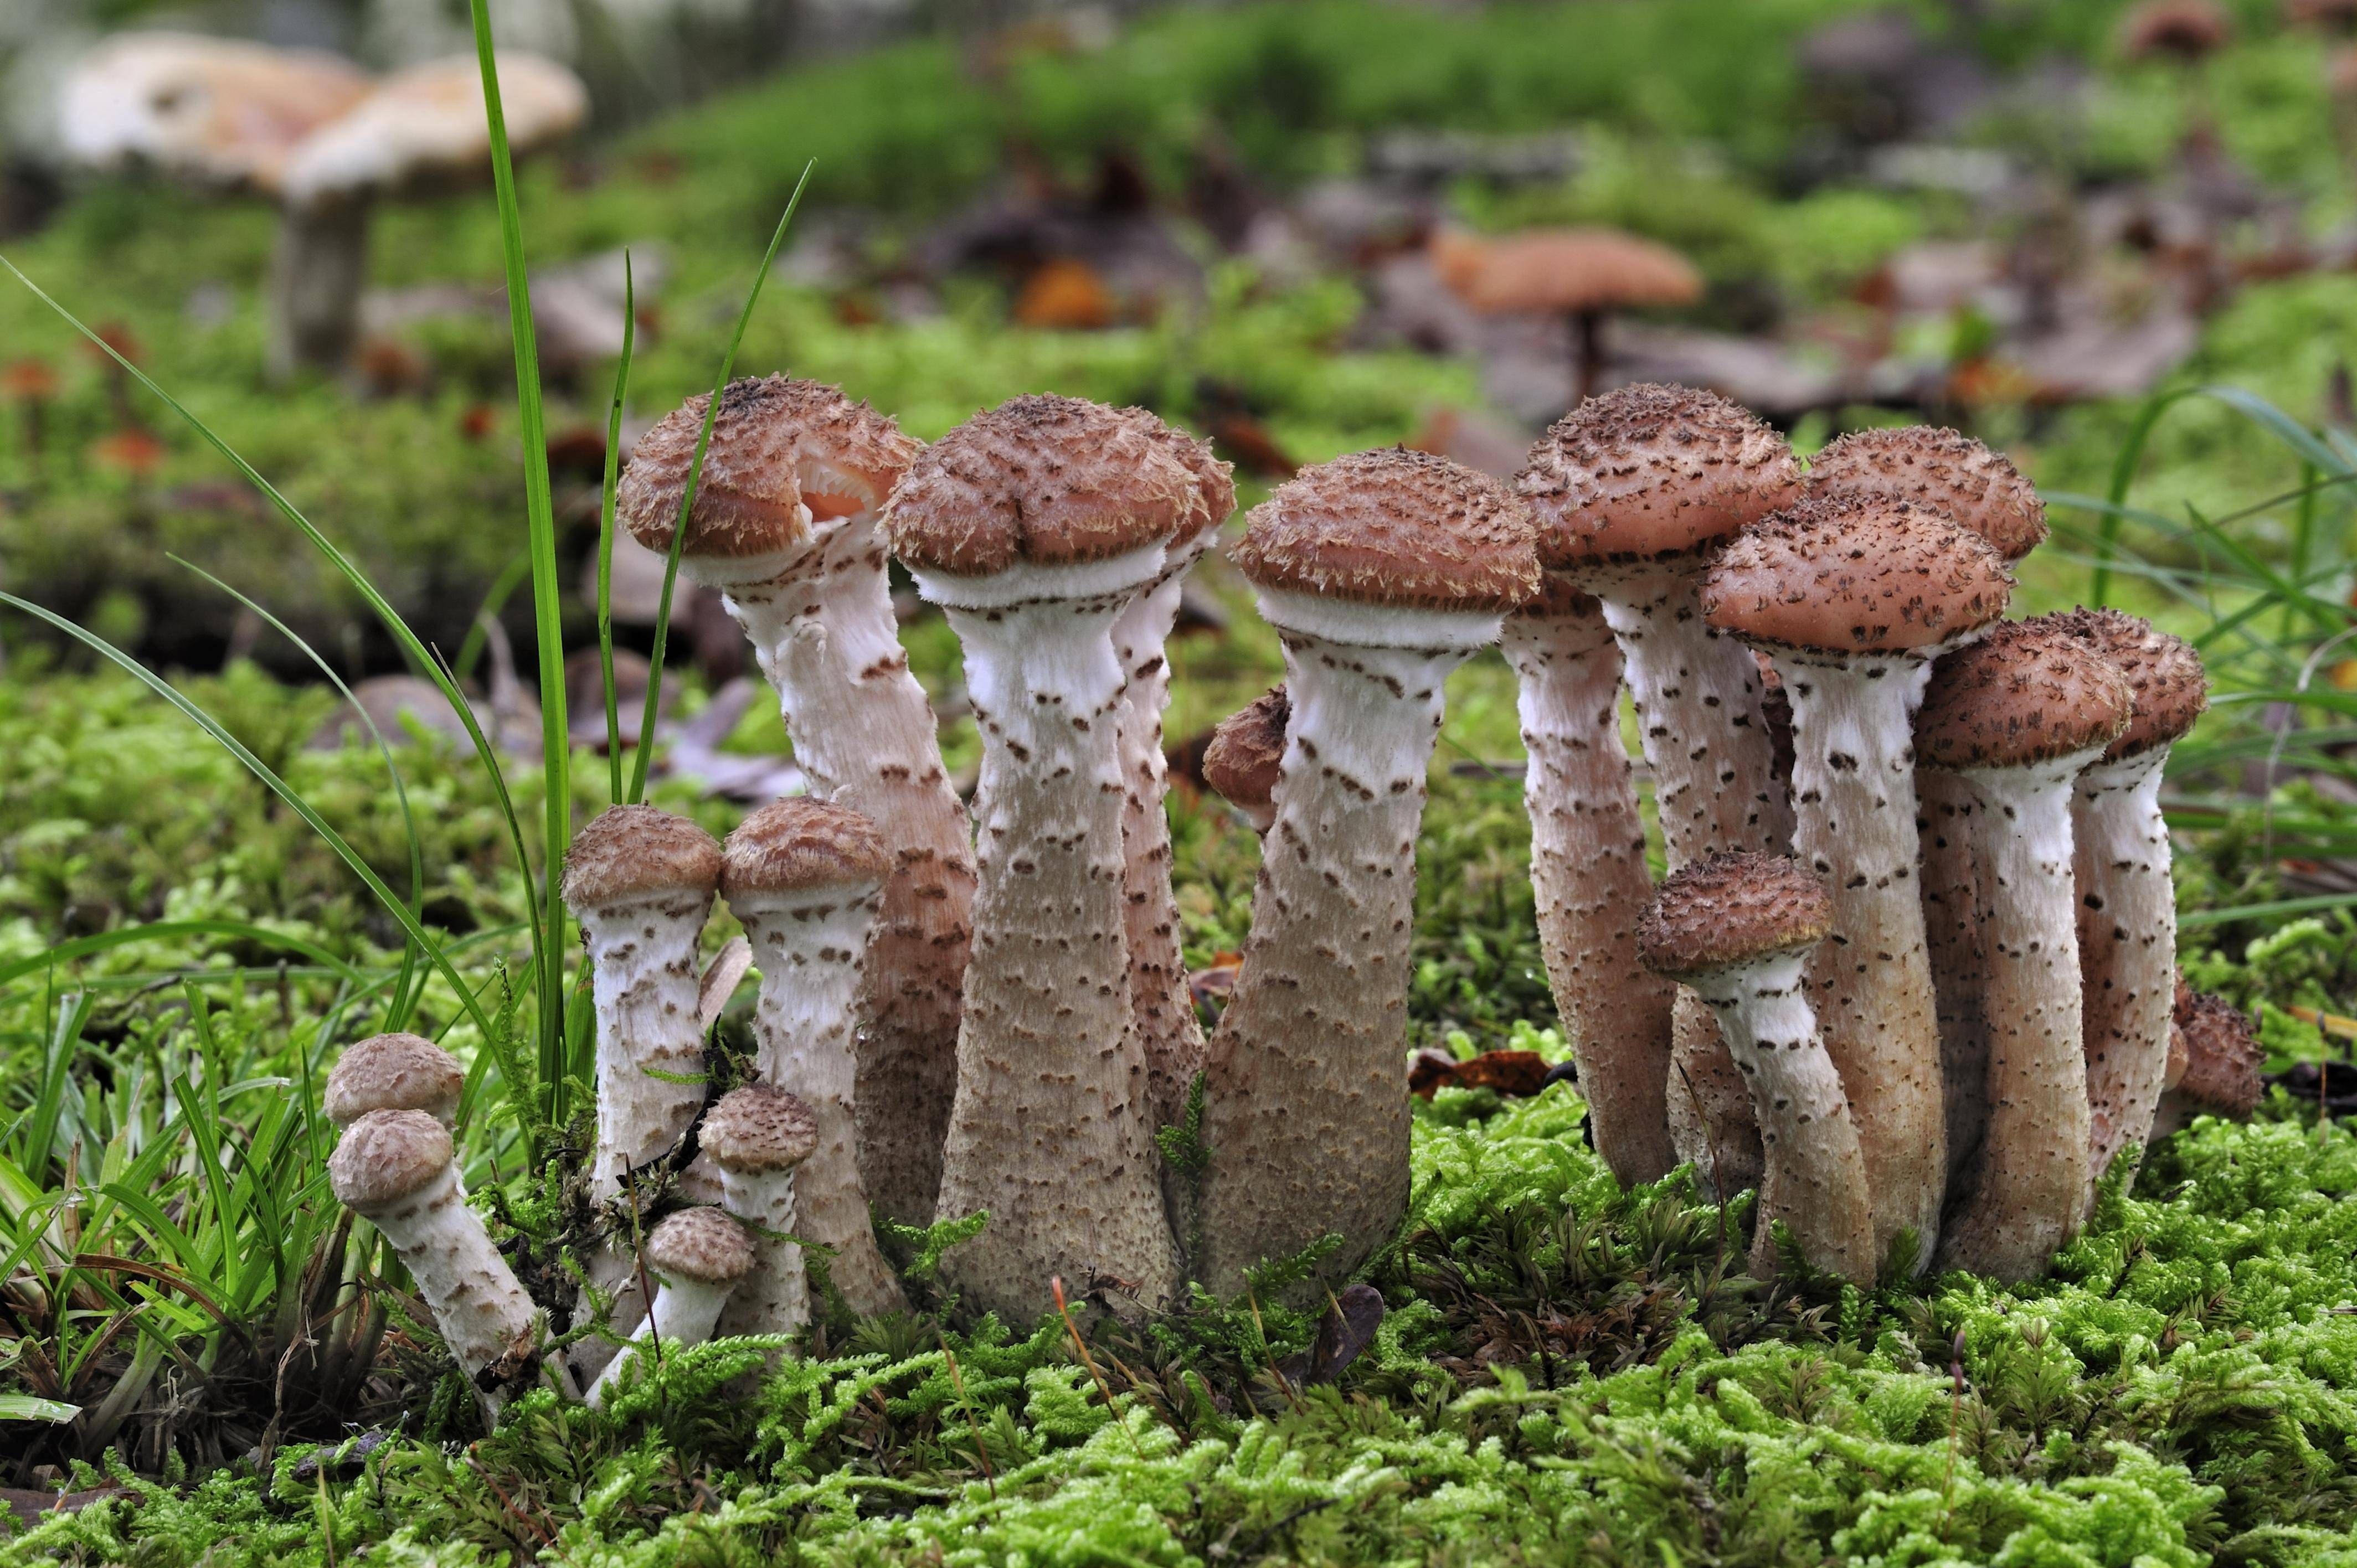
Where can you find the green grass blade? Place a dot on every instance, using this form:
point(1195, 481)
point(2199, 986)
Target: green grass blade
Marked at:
point(495, 599)
point(277, 785)
point(547, 615)
point(687, 494)
point(606, 494)
point(168, 931)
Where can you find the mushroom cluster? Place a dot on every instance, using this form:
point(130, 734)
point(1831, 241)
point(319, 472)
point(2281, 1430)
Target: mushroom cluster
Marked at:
point(1911, 973)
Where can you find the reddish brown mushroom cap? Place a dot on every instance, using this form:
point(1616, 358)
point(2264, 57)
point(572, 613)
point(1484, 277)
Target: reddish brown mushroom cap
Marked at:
point(1247, 755)
point(801, 842)
point(1867, 576)
point(631, 850)
point(1731, 908)
point(2180, 29)
point(1215, 484)
point(758, 1127)
point(1565, 271)
point(386, 1156)
point(2221, 1053)
point(2164, 672)
point(1394, 527)
point(1653, 470)
point(392, 1072)
point(1038, 480)
point(1940, 470)
point(777, 446)
point(2027, 693)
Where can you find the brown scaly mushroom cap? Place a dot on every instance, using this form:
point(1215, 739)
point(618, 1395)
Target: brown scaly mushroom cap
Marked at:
point(1942, 471)
point(2027, 693)
point(2221, 1053)
point(700, 1244)
point(630, 850)
point(393, 1072)
point(760, 1127)
point(1247, 755)
point(1653, 470)
point(1038, 480)
point(1393, 527)
point(1729, 909)
point(386, 1156)
point(1215, 483)
point(2171, 689)
point(1864, 577)
point(783, 452)
point(1562, 271)
point(798, 843)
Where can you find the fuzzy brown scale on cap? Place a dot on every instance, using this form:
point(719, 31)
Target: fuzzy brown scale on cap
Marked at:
point(1215, 483)
point(1394, 527)
point(393, 1072)
point(1038, 480)
point(771, 434)
point(2221, 1053)
point(629, 850)
point(1941, 470)
point(2164, 672)
point(1856, 575)
point(758, 1127)
point(1651, 470)
point(700, 1244)
point(386, 1156)
point(1731, 908)
point(1246, 755)
point(2027, 693)
point(801, 842)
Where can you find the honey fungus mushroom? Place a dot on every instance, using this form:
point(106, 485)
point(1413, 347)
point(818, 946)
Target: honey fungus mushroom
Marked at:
point(1853, 600)
point(786, 528)
point(1246, 760)
point(1382, 572)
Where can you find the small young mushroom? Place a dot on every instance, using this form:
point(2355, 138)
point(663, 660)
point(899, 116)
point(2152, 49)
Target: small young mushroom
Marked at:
point(1382, 573)
point(1737, 928)
point(1951, 474)
point(2221, 1075)
point(1635, 492)
point(698, 1257)
point(763, 1140)
point(397, 1170)
point(804, 876)
point(1853, 600)
point(785, 528)
point(2127, 903)
point(1588, 873)
point(394, 1072)
point(640, 881)
point(1246, 760)
point(1034, 525)
point(1167, 1030)
point(2017, 714)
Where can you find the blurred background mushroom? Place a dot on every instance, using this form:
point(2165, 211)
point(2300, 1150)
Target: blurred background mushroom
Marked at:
point(1580, 275)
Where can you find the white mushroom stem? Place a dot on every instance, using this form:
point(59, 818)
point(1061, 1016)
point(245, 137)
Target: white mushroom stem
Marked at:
point(1854, 798)
point(644, 986)
point(808, 947)
point(865, 735)
point(1051, 1131)
point(1951, 931)
point(2127, 947)
point(1588, 873)
point(1306, 1106)
point(1697, 693)
point(2033, 1168)
point(1816, 1178)
point(480, 1309)
point(686, 1312)
point(774, 1298)
point(1168, 1032)
point(316, 271)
